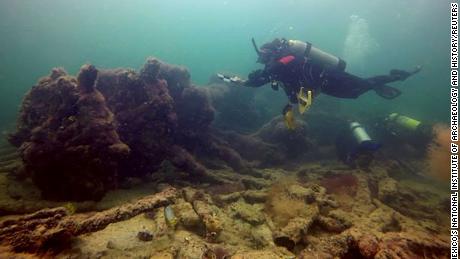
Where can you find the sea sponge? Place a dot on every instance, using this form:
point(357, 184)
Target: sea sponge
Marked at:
point(282, 206)
point(439, 153)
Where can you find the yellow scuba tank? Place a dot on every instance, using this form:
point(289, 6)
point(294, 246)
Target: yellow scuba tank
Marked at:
point(402, 121)
point(409, 130)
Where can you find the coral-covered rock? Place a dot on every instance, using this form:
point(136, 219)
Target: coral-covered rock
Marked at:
point(144, 112)
point(368, 246)
point(294, 143)
point(272, 145)
point(195, 114)
point(296, 228)
point(236, 107)
point(262, 236)
point(246, 212)
point(79, 137)
point(187, 215)
point(67, 137)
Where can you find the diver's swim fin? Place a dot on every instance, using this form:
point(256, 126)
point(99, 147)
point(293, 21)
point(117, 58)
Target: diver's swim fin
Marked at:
point(304, 100)
point(386, 91)
point(289, 120)
point(403, 75)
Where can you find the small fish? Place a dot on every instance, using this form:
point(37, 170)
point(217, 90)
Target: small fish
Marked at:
point(170, 217)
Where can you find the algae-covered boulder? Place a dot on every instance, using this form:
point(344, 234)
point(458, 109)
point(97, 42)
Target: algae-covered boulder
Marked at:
point(292, 142)
point(67, 137)
point(79, 137)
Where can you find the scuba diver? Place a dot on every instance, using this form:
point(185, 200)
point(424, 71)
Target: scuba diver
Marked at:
point(304, 71)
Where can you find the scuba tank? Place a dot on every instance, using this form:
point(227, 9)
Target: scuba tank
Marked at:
point(313, 54)
point(404, 122)
point(408, 130)
point(355, 147)
point(361, 137)
point(316, 55)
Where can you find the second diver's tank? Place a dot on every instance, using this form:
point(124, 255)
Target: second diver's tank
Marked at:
point(355, 147)
point(398, 120)
point(316, 55)
point(363, 141)
point(408, 130)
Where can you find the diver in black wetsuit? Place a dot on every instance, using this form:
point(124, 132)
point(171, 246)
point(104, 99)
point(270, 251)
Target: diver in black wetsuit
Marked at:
point(304, 71)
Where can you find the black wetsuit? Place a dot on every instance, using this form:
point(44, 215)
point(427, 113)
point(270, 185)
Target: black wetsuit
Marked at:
point(300, 72)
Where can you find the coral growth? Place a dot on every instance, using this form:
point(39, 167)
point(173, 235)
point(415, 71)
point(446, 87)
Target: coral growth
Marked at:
point(79, 137)
point(439, 153)
point(293, 143)
point(67, 137)
point(272, 145)
point(282, 206)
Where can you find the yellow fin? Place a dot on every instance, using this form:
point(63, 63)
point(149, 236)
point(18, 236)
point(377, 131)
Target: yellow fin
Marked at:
point(289, 120)
point(304, 100)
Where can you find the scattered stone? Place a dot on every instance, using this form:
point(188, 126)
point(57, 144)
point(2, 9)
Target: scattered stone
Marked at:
point(188, 193)
point(388, 189)
point(249, 213)
point(228, 198)
point(262, 236)
point(300, 192)
point(368, 246)
point(187, 215)
point(332, 225)
point(296, 228)
point(255, 196)
point(254, 183)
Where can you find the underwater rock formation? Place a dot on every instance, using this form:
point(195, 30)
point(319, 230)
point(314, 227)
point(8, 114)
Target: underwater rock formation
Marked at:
point(150, 120)
point(293, 143)
point(79, 136)
point(272, 145)
point(236, 107)
point(67, 137)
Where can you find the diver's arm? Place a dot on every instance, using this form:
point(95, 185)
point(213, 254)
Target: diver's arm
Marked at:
point(257, 78)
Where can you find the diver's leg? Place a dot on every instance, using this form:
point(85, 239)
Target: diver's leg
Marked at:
point(345, 85)
point(395, 75)
point(350, 86)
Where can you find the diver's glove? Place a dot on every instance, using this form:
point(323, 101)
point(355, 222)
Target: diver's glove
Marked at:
point(231, 79)
point(258, 78)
